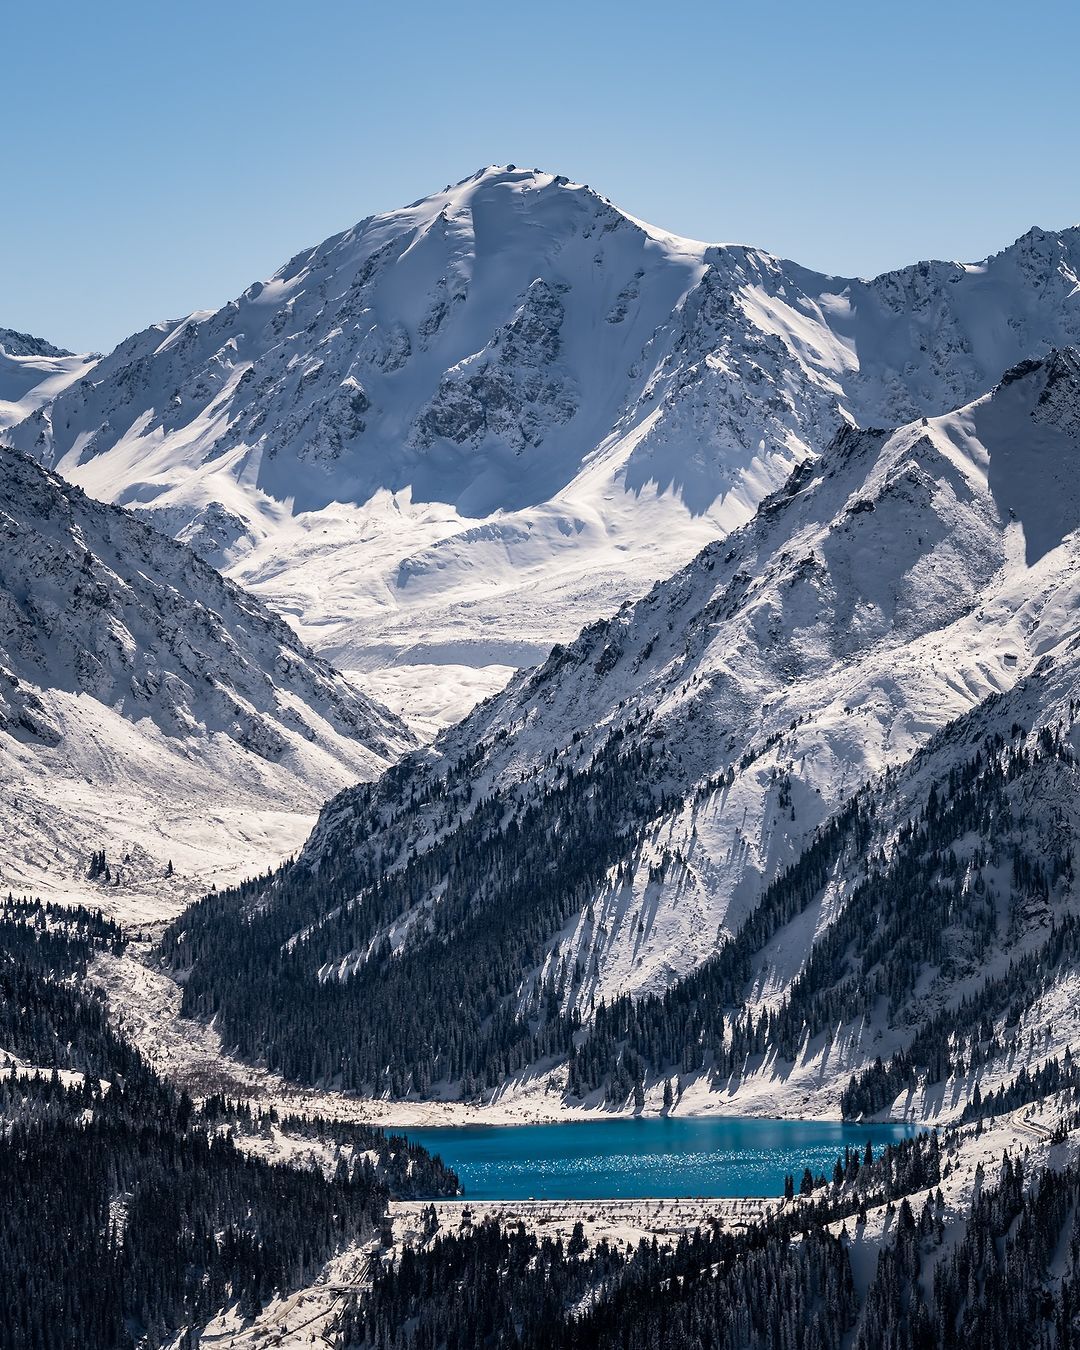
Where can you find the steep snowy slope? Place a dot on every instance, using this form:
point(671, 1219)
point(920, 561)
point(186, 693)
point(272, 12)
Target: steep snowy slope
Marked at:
point(151, 708)
point(603, 824)
point(32, 373)
point(449, 436)
point(924, 950)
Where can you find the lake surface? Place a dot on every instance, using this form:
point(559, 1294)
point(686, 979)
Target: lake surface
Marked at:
point(633, 1158)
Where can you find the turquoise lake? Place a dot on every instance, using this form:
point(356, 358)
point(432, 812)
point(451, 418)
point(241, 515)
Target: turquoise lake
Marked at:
point(633, 1158)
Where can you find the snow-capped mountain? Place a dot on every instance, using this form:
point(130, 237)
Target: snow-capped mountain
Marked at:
point(150, 708)
point(26, 344)
point(449, 436)
point(32, 373)
point(611, 818)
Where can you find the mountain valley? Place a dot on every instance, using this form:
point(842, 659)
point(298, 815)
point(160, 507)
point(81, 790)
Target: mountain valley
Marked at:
point(520, 667)
point(615, 819)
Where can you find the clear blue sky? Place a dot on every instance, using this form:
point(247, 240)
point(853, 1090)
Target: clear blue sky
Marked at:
point(162, 155)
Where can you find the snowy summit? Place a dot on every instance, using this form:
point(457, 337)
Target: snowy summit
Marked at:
point(447, 437)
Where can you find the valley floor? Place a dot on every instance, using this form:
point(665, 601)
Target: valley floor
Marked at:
point(146, 1004)
point(211, 841)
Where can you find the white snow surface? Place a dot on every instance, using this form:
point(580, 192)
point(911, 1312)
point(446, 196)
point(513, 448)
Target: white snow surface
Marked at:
point(32, 373)
point(152, 708)
point(447, 437)
point(893, 586)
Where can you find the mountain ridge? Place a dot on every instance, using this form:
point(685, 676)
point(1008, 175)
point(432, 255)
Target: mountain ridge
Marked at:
point(448, 436)
point(140, 691)
point(26, 344)
point(610, 820)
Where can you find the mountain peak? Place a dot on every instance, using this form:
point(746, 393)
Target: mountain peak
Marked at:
point(517, 174)
point(13, 343)
point(527, 375)
point(1059, 364)
point(509, 177)
point(1039, 249)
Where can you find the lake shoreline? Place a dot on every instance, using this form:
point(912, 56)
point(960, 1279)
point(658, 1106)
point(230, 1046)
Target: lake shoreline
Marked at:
point(145, 1002)
point(660, 1158)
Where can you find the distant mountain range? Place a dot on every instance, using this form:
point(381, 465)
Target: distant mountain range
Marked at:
point(32, 373)
point(448, 437)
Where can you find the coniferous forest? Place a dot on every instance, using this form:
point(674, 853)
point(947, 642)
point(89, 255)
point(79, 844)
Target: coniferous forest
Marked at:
point(148, 1218)
point(447, 1008)
point(129, 1213)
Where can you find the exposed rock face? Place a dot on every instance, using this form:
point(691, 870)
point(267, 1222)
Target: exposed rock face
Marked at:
point(25, 344)
point(515, 389)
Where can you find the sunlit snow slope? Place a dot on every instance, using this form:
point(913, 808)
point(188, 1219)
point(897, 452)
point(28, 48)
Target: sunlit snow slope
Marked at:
point(447, 437)
point(153, 709)
point(32, 373)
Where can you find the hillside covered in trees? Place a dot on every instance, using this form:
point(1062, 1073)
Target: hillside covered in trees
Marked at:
point(129, 1212)
point(954, 920)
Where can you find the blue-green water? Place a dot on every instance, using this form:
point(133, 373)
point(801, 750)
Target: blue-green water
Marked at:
point(638, 1158)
